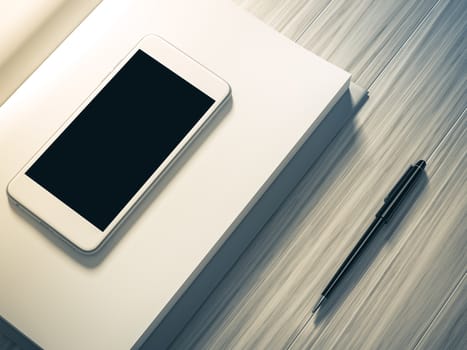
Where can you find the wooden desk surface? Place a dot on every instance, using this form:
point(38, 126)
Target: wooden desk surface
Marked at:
point(408, 290)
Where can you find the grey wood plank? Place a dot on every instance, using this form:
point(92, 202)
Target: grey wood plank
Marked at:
point(363, 36)
point(416, 99)
point(448, 330)
point(290, 17)
point(359, 36)
point(413, 273)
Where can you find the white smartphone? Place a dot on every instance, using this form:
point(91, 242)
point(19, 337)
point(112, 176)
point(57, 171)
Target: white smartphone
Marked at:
point(89, 176)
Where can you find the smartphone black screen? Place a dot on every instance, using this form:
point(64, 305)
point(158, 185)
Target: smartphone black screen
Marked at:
point(120, 138)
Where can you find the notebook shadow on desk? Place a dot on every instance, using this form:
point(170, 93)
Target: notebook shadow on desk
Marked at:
point(389, 232)
point(94, 259)
point(225, 271)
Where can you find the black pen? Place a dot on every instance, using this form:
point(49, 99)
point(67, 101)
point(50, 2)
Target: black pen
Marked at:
point(391, 202)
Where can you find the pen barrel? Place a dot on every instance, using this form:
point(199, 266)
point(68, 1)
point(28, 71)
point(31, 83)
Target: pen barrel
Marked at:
point(391, 202)
point(397, 187)
point(353, 254)
point(398, 193)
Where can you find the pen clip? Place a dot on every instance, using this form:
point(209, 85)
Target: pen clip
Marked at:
point(399, 184)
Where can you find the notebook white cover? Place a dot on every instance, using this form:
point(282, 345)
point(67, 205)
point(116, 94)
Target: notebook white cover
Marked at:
point(281, 92)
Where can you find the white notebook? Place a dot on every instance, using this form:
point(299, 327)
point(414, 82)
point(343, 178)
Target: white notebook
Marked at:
point(280, 94)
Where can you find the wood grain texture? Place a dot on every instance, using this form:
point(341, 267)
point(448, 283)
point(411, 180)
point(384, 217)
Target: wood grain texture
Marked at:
point(392, 295)
point(448, 329)
point(363, 36)
point(421, 258)
point(290, 17)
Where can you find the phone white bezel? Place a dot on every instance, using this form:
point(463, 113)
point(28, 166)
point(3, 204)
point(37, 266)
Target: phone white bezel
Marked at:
point(56, 215)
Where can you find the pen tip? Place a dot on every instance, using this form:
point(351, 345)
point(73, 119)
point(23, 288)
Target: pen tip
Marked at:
point(421, 164)
point(317, 305)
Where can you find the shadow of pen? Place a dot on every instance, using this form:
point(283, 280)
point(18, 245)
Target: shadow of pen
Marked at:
point(363, 261)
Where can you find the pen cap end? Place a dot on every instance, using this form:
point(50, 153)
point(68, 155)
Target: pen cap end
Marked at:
point(421, 164)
